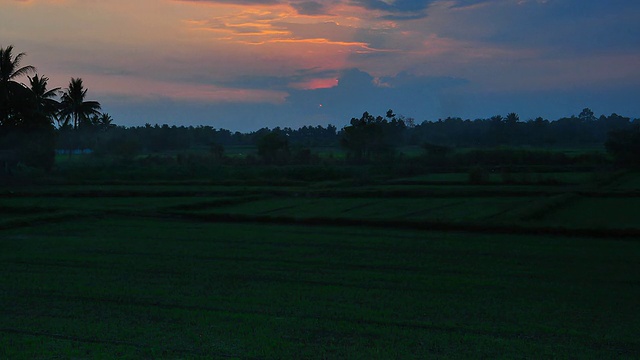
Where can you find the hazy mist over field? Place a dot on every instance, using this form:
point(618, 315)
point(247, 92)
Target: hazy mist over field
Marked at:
point(243, 65)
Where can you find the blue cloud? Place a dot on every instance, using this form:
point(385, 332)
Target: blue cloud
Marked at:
point(409, 9)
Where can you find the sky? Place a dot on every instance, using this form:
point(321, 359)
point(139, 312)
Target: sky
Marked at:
point(247, 64)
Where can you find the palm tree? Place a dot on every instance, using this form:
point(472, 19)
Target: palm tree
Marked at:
point(512, 118)
point(9, 70)
point(74, 107)
point(10, 65)
point(105, 121)
point(44, 100)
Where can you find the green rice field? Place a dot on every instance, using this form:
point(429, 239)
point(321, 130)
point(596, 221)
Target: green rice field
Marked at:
point(348, 272)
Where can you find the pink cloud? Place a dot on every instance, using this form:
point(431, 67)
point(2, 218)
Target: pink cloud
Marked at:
point(313, 84)
point(141, 89)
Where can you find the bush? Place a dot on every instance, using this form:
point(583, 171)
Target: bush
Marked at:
point(34, 149)
point(273, 148)
point(113, 144)
point(624, 145)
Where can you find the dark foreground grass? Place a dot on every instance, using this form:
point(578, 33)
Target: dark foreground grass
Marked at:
point(130, 287)
point(604, 213)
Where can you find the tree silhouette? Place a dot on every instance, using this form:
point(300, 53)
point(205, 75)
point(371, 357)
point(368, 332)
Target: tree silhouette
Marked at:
point(74, 106)
point(587, 115)
point(10, 90)
point(371, 136)
point(26, 132)
point(512, 118)
point(44, 100)
point(105, 121)
point(273, 147)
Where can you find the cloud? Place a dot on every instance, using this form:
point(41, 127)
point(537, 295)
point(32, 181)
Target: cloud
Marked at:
point(143, 88)
point(358, 91)
point(556, 26)
point(310, 8)
point(398, 10)
point(440, 97)
point(406, 10)
point(236, 2)
point(394, 6)
point(427, 59)
point(329, 30)
point(299, 79)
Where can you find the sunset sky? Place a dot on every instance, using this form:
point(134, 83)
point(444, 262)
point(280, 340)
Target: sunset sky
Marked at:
point(246, 64)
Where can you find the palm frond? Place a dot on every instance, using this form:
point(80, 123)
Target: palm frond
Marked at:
point(51, 93)
point(22, 71)
point(10, 65)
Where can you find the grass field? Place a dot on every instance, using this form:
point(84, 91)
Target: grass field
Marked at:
point(198, 271)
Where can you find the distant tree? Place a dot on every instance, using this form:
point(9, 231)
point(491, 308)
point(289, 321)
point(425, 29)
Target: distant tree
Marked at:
point(273, 147)
point(498, 130)
point(624, 145)
point(370, 136)
point(216, 150)
point(410, 122)
point(74, 106)
point(390, 115)
point(497, 119)
point(118, 142)
point(105, 122)
point(615, 122)
point(587, 115)
point(512, 118)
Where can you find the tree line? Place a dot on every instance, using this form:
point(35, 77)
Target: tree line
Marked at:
point(36, 121)
point(368, 138)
